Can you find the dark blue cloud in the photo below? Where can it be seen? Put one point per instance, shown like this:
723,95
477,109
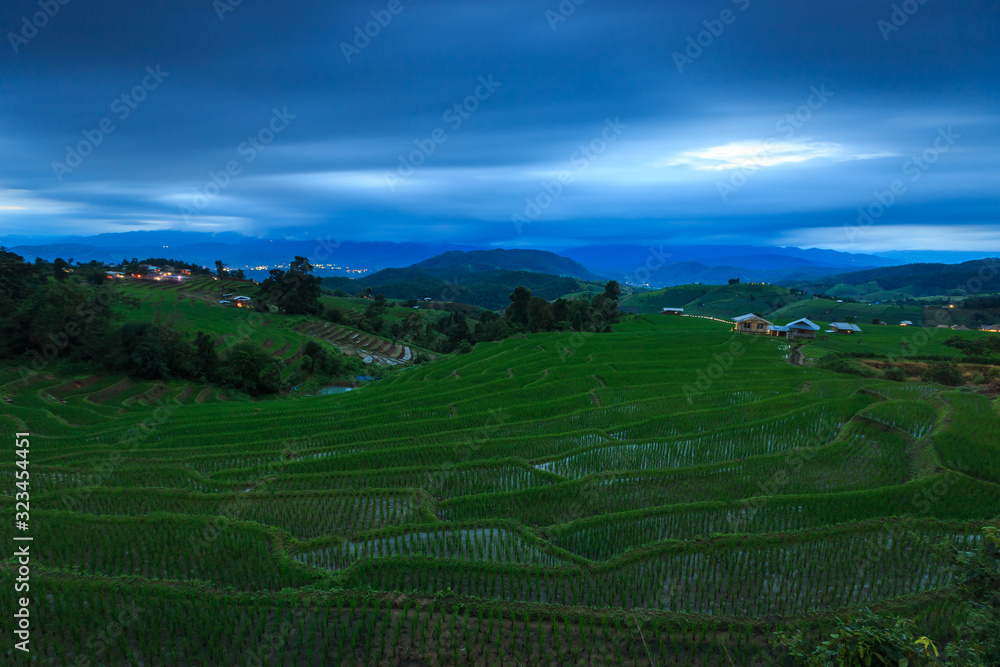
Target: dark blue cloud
723,136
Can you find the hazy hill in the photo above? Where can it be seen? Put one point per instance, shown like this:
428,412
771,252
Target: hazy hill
754,261
487,288
722,301
686,273
538,261
975,277
234,250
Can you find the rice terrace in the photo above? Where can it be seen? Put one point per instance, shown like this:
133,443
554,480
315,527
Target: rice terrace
670,491
533,333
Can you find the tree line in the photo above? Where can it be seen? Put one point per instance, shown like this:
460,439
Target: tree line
55,316
526,313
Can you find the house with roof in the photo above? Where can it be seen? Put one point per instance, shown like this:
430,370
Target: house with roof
672,311
906,323
990,327
844,328
802,328
751,323
776,330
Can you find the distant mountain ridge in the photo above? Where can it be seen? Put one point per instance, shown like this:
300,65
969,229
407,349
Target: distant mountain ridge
656,266
487,288
234,250
537,261
633,263
926,279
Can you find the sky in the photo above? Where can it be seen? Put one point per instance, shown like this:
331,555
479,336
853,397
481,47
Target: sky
857,125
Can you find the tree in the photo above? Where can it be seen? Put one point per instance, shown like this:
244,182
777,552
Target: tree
252,370
206,358
60,269
490,327
734,281
75,319
560,310
93,273
17,278
373,314
295,292
606,312
148,351
412,324
454,327
539,314
220,268
517,311
612,290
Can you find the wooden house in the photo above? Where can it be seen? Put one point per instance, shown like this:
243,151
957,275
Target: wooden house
751,323
844,328
803,328
775,330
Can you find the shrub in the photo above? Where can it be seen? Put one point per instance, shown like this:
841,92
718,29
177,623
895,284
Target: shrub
307,363
252,370
946,374
895,373
867,639
838,365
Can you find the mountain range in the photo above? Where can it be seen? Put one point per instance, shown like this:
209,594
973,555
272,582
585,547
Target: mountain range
656,266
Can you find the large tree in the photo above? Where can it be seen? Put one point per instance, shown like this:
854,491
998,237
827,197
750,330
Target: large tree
295,291
517,311
612,290
539,314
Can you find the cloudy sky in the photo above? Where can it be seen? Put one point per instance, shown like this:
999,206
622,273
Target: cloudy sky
856,125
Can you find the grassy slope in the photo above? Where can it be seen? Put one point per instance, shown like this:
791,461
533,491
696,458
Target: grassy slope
892,340
480,425
722,301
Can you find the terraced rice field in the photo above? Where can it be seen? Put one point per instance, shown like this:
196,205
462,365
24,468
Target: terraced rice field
640,497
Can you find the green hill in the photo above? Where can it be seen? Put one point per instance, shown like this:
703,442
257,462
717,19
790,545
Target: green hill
666,493
485,288
915,280
723,301
535,261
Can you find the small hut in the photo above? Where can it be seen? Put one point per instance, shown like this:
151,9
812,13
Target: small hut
803,328
751,323
845,328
